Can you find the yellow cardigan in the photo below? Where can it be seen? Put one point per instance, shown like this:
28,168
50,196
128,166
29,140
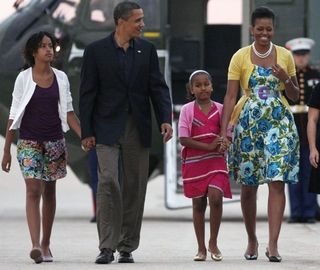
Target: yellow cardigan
241,67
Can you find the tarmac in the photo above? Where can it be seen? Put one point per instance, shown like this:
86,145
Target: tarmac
167,236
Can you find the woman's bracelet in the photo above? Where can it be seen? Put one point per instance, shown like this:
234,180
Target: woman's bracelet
287,81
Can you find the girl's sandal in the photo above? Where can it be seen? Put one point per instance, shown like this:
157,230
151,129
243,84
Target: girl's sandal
48,258
36,255
200,257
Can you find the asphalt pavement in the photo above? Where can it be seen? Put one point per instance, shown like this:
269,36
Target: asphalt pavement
167,237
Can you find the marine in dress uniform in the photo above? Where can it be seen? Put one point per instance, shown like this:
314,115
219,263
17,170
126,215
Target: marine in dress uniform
303,204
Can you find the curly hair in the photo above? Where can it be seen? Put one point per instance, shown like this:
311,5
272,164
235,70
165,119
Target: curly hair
33,44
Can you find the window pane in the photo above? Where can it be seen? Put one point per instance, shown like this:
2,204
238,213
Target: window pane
66,11
151,10
101,12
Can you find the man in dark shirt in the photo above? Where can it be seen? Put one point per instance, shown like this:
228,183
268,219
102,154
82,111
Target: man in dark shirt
303,204
120,76
314,139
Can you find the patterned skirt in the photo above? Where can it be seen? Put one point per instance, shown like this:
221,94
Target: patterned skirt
265,144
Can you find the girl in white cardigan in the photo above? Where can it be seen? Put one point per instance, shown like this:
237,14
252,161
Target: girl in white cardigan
42,110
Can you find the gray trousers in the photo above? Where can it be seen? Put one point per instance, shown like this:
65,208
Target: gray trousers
123,177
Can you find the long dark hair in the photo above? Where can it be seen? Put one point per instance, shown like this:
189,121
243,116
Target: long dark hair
32,46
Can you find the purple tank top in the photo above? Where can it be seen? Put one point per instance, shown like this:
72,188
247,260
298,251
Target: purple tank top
41,121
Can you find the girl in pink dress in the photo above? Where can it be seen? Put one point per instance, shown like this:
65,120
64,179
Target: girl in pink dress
204,169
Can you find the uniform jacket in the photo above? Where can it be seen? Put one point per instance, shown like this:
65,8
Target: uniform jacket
307,78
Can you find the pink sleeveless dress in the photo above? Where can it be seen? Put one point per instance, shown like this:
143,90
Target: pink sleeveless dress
202,169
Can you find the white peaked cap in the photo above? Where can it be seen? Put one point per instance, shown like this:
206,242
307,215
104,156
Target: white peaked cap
298,44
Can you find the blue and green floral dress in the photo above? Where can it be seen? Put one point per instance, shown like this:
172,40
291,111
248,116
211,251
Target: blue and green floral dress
265,144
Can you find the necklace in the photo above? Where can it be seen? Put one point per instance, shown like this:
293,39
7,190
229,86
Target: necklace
262,55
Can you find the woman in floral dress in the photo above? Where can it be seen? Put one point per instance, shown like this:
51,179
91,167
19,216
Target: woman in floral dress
265,147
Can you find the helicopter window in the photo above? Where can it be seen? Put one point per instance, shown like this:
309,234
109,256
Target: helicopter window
97,16
101,12
66,11
152,11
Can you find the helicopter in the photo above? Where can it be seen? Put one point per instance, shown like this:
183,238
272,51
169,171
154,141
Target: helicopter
74,24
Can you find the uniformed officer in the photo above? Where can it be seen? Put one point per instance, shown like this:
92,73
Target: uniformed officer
303,205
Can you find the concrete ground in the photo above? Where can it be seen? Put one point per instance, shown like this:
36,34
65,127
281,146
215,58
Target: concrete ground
167,237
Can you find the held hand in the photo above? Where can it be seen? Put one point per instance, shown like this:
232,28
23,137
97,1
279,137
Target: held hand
314,158
213,145
224,145
166,131
6,162
88,143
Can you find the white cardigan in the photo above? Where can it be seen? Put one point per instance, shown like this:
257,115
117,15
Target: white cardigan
24,88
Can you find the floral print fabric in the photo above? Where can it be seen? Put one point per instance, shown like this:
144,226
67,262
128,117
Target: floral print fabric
265,144
42,160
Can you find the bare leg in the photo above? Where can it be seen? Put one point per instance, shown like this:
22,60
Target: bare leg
215,201
199,206
276,205
249,212
48,214
33,196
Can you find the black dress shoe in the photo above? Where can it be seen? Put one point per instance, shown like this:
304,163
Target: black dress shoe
308,220
125,257
105,256
318,213
294,220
